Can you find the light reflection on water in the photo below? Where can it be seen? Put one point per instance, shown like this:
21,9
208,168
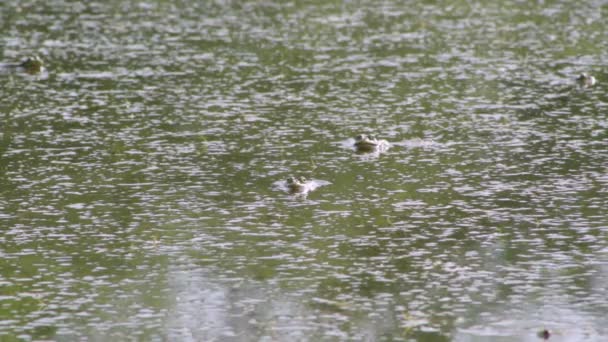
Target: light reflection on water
138,174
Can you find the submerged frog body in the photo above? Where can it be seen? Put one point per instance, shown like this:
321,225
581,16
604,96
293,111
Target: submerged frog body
31,65
369,143
585,80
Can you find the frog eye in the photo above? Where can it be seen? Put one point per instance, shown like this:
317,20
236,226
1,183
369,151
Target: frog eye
359,137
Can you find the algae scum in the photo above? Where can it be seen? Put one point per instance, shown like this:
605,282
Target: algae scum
143,171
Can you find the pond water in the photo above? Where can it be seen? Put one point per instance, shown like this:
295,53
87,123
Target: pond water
141,174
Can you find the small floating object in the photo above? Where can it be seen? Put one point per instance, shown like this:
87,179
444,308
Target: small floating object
544,334
369,143
585,80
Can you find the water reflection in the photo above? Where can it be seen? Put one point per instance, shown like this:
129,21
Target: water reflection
140,174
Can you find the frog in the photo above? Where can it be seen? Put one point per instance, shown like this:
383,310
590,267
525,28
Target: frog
300,185
30,65
585,80
369,143
297,184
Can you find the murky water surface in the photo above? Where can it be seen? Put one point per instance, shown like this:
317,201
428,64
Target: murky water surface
141,174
